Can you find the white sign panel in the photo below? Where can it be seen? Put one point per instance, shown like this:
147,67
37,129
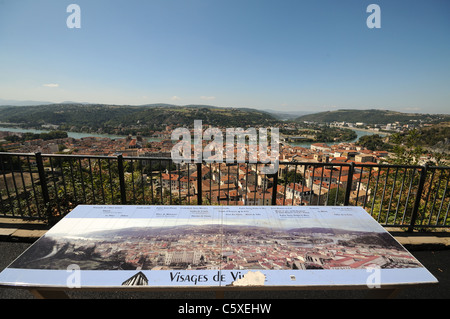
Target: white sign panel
207,246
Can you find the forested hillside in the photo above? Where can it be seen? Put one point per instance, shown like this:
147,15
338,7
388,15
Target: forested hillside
109,118
371,117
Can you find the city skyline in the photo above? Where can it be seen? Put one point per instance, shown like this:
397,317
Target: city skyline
91,227
289,56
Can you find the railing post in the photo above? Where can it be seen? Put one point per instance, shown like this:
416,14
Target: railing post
349,184
43,180
123,196
199,184
423,176
275,189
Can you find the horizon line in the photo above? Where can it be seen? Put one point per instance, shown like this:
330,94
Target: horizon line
267,110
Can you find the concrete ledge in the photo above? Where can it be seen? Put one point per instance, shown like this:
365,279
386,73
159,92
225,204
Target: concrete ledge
424,242
25,233
7,222
16,229
7,231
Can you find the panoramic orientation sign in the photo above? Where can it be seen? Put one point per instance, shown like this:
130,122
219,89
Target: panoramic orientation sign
201,246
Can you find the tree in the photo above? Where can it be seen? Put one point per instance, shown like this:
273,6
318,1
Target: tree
407,149
293,176
373,143
336,197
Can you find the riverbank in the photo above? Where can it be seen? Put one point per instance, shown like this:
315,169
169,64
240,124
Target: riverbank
370,131
359,133
76,135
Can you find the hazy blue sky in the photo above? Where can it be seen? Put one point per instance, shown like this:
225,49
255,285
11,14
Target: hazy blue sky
282,54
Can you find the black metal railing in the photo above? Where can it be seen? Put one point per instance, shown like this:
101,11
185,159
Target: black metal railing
48,186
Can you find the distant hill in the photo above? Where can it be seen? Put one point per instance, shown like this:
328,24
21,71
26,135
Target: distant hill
128,119
370,117
227,229
4,102
22,103
285,115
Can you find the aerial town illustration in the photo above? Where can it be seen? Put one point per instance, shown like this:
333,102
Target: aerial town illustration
238,239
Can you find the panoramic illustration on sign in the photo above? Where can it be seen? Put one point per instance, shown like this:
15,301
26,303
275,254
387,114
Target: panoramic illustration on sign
215,245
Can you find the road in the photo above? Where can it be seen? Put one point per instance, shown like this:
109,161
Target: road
436,261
